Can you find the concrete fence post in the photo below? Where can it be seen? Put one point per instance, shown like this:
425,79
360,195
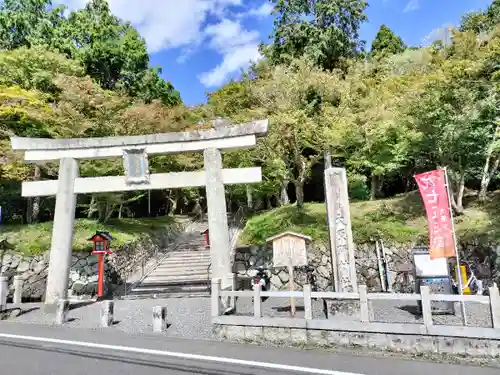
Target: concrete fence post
18,289
159,319
495,307
232,299
4,291
257,303
216,285
107,313
426,306
62,311
363,303
307,302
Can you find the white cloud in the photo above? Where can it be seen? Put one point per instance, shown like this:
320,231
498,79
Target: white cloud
167,24
263,11
412,6
237,46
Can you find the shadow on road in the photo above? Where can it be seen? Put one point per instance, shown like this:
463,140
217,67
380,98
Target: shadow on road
15,311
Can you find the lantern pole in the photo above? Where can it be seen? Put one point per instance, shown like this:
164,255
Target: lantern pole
100,276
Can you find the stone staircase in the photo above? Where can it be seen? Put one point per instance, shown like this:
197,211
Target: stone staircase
183,272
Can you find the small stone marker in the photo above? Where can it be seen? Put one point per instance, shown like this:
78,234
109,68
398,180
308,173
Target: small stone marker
290,250
62,311
18,289
4,290
107,313
159,319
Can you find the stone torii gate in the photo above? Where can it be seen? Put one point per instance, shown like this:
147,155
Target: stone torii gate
135,151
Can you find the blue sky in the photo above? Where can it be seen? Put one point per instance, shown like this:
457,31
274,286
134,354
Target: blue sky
202,43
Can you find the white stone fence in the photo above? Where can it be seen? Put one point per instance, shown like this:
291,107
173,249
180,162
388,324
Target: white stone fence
364,325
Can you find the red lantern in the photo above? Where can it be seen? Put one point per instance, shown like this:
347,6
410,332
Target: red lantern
101,242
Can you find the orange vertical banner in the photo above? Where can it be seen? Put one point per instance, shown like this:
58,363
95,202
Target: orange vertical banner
434,192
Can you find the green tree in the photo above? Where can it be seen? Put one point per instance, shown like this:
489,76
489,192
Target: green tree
327,32
300,101
111,51
387,43
482,21
36,68
28,23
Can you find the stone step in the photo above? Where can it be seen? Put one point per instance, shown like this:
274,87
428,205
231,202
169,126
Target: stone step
165,271
166,277
191,287
182,265
187,258
182,260
191,249
179,279
204,252
198,250
179,260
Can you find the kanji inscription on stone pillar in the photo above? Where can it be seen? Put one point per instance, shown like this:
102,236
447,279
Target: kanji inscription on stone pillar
339,223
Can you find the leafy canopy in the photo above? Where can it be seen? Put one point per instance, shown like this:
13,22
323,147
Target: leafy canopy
325,31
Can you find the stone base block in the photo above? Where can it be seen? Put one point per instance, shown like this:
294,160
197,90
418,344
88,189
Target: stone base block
397,343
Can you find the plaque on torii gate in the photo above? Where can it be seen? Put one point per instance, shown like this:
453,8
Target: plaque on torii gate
135,151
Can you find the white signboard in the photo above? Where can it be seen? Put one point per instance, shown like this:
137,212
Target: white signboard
425,267
289,251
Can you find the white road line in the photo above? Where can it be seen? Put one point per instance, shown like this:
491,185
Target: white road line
196,357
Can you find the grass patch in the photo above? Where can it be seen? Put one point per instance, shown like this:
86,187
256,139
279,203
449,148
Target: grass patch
35,239
400,220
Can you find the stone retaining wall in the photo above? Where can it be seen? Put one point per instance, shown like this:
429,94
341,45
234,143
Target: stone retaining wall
484,258
412,344
83,274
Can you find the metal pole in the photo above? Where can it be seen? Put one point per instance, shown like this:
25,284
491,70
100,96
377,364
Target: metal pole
458,270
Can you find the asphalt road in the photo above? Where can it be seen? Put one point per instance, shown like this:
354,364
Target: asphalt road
30,349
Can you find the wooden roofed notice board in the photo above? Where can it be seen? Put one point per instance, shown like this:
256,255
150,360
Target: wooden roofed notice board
290,250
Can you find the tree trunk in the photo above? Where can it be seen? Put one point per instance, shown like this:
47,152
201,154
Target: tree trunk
258,204
110,210
299,193
170,202
101,211
29,210
34,203
93,207
120,209
487,171
284,198
487,175
460,193
269,203
456,198
374,188
328,159
249,198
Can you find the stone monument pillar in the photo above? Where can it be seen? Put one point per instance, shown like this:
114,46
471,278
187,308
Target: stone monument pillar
62,235
339,225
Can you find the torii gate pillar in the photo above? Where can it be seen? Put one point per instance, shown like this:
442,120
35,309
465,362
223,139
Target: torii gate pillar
217,217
